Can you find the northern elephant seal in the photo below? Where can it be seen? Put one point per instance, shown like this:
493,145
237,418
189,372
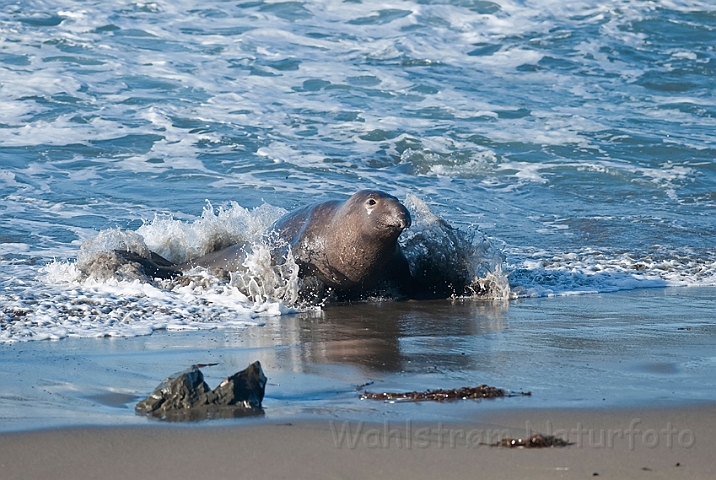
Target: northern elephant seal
351,246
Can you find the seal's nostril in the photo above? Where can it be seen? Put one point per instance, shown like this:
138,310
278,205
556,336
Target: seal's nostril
406,221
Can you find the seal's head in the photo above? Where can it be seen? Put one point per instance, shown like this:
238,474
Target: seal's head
362,240
382,215
367,216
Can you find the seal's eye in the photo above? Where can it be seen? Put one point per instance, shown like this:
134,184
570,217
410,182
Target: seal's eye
371,202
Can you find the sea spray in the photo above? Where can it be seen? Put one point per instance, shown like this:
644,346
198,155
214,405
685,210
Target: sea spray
446,261
179,241
264,280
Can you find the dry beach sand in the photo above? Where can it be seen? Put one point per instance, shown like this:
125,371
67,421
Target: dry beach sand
672,443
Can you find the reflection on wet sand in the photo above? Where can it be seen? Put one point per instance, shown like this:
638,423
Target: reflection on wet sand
397,336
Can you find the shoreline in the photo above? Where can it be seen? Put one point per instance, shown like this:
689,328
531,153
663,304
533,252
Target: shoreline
607,351
645,443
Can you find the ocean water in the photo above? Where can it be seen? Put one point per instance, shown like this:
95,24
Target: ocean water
570,143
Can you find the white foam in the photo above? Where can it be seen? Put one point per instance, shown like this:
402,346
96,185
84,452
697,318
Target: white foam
590,271
68,305
10,248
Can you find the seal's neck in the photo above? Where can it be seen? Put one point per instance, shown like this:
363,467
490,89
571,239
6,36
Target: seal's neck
362,258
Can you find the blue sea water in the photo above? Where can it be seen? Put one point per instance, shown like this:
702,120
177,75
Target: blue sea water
577,136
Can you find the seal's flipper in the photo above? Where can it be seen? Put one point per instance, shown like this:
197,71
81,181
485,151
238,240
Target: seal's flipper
155,267
160,261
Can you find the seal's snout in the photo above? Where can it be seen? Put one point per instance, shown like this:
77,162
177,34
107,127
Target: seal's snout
399,217
403,217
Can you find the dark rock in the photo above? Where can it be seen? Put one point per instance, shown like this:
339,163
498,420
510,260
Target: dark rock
181,390
185,395
245,388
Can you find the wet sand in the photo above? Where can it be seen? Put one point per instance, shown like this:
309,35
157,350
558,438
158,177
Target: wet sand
639,362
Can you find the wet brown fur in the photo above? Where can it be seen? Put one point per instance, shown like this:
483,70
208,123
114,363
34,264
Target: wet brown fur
350,246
